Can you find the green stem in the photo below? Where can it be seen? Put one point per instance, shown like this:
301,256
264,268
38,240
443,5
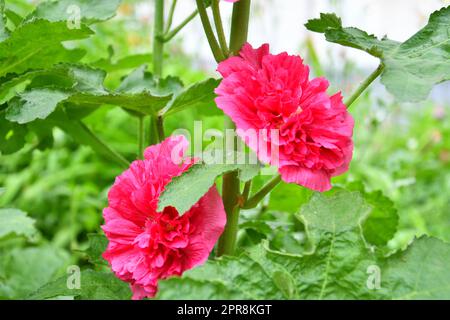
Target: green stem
257,197
363,86
239,25
169,35
158,56
158,44
231,183
246,192
160,127
170,17
141,134
215,48
230,196
153,132
219,26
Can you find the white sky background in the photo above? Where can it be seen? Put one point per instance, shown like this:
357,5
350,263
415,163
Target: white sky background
281,24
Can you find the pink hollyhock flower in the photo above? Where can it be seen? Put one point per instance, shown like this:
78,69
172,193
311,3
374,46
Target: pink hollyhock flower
145,244
262,91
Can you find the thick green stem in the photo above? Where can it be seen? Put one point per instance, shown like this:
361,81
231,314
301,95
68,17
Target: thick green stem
239,25
160,127
363,86
231,183
158,56
153,137
230,195
219,26
158,43
170,34
257,197
141,134
215,48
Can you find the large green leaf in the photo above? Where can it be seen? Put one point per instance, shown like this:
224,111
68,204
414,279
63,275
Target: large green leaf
64,10
224,278
413,67
34,104
128,62
77,86
23,271
140,80
382,222
94,285
419,272
185,190
37,45
16,222
338,265
97,245
60,76
199,95
288,197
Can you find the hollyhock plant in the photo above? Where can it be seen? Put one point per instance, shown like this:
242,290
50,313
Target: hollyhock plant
145,244
262,91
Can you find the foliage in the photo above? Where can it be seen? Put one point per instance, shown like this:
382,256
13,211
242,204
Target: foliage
71,102
413,67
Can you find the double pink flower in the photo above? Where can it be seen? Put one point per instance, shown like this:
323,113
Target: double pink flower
145,244
261,91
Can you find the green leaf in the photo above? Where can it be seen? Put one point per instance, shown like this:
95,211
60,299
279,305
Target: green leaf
420,272
14,17
142,81
78,87
381,224
144,102
335,268
199,95
12,136
37,45
413,67
35,104
341,212
338,265
224,278
23,271
288,197
97,245
66,10
326,21
185,190
94,285
16,222
128,62
56,76
382,221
